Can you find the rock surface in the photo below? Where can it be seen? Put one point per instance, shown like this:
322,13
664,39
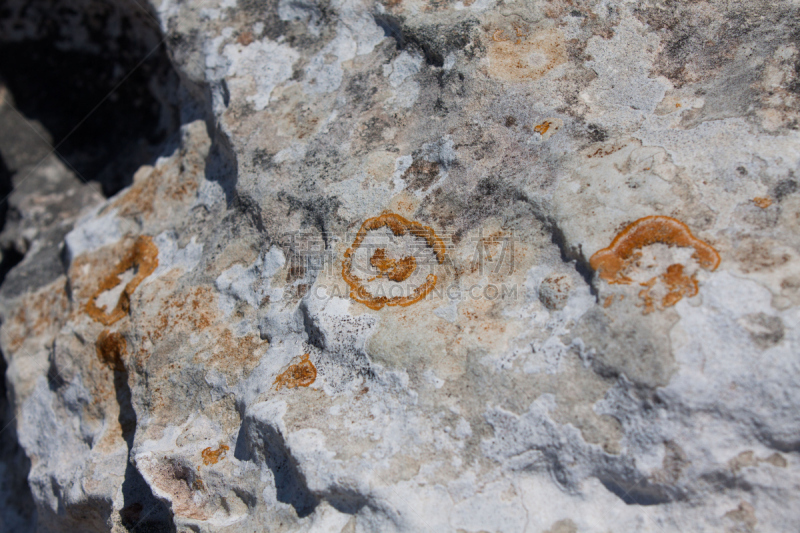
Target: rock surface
394,271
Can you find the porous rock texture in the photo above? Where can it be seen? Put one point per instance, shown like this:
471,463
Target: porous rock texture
526,392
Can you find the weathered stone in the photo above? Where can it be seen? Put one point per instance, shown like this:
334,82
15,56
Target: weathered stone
450,266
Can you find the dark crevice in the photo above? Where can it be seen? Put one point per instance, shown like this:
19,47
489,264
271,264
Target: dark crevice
259,441
265,444
5,190
636,493
221,164
141,510
315,336
9,256
17,508
107,103
346,501
571,253
623,494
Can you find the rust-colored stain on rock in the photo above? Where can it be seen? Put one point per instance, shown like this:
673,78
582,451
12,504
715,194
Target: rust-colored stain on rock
143,256
111,349
301,374
395,270
613,263
211,457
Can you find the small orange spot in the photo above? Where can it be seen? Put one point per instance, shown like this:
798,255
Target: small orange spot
143,256
762,202
396,271
301,374
211,457
542,128
609,300
678,105
613,263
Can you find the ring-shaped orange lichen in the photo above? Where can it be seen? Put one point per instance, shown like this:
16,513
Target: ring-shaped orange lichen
300,374
396,271
613,262
143,256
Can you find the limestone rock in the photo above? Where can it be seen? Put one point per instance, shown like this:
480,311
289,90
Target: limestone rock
416,266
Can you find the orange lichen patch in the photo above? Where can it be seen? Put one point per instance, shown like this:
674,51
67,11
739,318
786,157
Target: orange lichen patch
548,127
528,57
381,262
111,349
676,285
143,257
542,128
391,268
613,263
300,374
399,271
211,457
762,202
